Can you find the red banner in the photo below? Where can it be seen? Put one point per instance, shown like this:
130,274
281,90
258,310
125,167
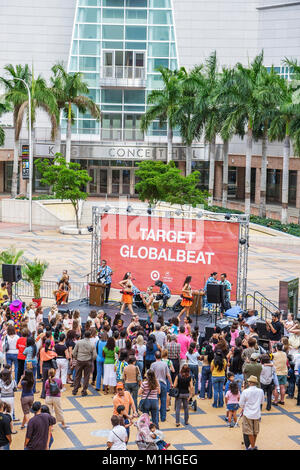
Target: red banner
153,248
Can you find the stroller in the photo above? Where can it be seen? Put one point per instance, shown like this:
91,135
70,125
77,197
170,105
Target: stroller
144,440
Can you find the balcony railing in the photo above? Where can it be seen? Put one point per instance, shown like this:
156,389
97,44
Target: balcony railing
123,72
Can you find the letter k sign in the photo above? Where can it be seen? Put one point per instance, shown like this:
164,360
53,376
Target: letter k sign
51,147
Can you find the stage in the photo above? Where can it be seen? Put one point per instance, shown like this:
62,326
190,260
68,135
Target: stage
112,308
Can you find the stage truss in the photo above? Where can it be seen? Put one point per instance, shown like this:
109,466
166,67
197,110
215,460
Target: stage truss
201,214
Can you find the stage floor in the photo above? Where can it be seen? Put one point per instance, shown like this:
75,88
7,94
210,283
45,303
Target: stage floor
112,308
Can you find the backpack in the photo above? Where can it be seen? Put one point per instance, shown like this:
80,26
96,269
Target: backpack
5,345
54,388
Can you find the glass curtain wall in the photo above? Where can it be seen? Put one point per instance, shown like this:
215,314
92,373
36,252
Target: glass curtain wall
121,39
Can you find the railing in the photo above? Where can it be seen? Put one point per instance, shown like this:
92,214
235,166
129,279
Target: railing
262,304
121,72
78,290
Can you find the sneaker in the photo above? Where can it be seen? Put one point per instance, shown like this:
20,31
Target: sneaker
232,425
83,394
226,419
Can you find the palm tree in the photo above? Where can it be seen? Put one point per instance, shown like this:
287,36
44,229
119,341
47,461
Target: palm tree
69,90
242,98
41,97
164,104
268,94
285,127
16,95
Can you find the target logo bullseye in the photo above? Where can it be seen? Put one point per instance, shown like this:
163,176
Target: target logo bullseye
154,275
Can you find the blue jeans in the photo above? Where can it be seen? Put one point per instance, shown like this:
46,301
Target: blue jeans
100,372
140,365
152,407
34,369
163,401
13,359
206,376
195,372
239,378
6,447
218,383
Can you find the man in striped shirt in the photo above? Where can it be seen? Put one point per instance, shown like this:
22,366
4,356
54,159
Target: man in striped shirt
174,349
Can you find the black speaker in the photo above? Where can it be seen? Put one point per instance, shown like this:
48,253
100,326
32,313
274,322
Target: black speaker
11,272
209,330
262,329
215,293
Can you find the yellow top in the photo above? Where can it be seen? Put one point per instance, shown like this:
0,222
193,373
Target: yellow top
2,293
216,372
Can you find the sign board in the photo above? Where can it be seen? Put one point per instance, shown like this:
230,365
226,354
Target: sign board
25,169
169,249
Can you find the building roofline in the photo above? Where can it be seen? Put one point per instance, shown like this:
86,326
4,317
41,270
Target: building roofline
279,5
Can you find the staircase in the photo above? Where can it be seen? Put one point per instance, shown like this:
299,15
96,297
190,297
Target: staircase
264,306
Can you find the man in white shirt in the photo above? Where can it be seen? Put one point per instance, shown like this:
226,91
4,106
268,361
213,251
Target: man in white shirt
117,438
161,338
251,400
249,321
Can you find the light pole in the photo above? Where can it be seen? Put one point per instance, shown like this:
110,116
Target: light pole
30,151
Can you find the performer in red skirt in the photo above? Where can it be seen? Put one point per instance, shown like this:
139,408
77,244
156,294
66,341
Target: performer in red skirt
187,297
127,297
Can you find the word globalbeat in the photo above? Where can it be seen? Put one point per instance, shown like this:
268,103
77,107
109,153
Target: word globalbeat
176,256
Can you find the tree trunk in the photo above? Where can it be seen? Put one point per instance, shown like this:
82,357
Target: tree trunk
263,178
57,145
69,135
14,183
170,143
188,168
225,173
212,158
248,172
285,180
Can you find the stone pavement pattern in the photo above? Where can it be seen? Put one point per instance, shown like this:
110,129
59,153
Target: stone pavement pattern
89,420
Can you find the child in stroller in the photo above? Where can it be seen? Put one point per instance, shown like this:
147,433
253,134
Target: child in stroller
144,440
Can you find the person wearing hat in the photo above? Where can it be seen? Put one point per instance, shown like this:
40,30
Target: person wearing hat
123,397
38,429
250,401
253,368
16,313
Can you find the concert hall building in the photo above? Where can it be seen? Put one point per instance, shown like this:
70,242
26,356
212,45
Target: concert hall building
118,45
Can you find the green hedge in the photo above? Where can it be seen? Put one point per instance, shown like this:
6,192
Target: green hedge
292,229
38,198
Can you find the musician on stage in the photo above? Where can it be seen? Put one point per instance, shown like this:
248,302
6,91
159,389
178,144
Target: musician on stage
187,297
127,291
211,280
148,299
164,295
226,304
104,276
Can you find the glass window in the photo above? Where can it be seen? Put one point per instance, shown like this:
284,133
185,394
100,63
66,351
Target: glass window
88,15
134,96
139,109
92,79
112,15
113,3
73,64
160,4
89,63
160,17
94,94
173,64
172,34
159,33
112,45
89,31
154,82
135,45
153,64
172,50
111,107
136,16
75,48
89,48
86,126
158,49
112,32
89,3
136,3
156,129
136,33
111,96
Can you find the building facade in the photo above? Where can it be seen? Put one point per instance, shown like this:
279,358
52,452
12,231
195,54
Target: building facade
118,45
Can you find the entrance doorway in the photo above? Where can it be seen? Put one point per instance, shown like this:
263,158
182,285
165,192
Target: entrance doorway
115,181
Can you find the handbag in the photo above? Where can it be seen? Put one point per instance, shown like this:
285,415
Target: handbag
53,364
174,392
5,345
54,388
142,403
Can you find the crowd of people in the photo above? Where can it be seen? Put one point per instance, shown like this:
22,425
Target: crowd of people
149,368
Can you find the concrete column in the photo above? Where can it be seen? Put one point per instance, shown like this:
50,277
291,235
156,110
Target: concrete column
298,190
257,186
240,192
218,182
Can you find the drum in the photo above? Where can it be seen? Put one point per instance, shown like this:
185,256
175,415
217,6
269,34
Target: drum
155,305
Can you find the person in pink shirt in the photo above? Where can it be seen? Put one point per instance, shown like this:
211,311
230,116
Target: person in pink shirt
184,342
232,398
234,333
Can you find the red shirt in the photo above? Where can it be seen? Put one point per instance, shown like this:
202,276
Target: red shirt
21,345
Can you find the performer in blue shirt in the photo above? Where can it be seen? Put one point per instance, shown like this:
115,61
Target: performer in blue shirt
164,294
211,280
104,276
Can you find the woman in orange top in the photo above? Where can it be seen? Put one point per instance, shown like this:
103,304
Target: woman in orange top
127,297
187,297
46,356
